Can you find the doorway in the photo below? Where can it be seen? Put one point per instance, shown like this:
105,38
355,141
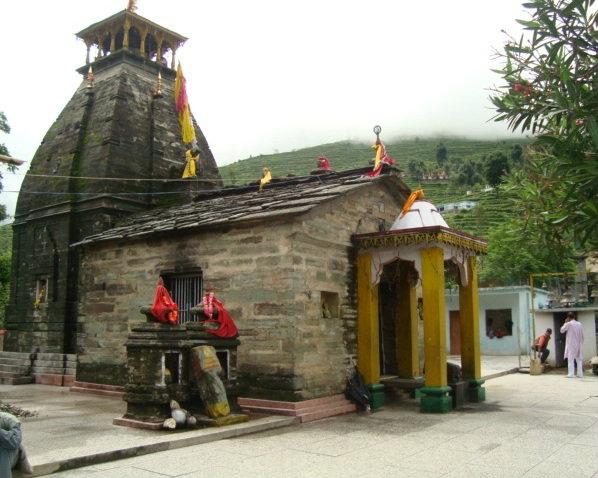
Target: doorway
455,331
387,310
559,339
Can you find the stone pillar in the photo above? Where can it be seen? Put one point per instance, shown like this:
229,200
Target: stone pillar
87,55
159,52
113,41
126,29
142,46
470,333
368,336
406,326
435,394
99,42
173,62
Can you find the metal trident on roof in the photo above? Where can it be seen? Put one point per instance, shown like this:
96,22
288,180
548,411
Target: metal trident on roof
377,130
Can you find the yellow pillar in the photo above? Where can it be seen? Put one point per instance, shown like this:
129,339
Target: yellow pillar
434,316
406,326
470,332
368,339
435,392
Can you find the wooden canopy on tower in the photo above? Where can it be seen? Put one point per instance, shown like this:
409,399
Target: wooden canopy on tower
422,242
129,31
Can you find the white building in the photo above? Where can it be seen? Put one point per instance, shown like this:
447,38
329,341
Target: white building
457,206
505,319
555,318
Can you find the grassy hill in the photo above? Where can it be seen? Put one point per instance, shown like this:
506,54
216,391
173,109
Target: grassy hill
347,155
492,209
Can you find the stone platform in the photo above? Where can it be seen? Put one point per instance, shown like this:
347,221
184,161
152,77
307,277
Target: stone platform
306,410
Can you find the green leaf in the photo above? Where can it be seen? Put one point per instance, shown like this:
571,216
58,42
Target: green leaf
517,49
532,25
593,129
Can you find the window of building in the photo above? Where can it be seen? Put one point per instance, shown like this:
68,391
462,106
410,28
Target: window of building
499,323
186,290
329,304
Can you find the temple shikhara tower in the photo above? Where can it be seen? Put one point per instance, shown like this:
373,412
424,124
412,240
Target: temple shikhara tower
104,158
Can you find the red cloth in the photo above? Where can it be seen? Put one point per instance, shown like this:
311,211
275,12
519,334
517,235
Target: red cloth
164,308
384,159
227,327
324,163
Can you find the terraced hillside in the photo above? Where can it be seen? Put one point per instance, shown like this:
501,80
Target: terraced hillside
491,209
347,155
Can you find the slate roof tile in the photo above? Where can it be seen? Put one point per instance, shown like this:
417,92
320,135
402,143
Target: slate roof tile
295,195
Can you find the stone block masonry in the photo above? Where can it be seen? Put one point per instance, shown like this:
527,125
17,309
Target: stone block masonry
272,275
116,129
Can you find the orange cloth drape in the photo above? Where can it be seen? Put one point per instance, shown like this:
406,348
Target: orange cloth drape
414,196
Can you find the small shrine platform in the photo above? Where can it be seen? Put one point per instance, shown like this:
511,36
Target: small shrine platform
159,370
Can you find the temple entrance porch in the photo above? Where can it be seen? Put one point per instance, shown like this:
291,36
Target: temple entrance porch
391,265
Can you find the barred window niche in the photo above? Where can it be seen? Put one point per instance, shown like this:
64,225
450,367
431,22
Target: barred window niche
329,304
185,289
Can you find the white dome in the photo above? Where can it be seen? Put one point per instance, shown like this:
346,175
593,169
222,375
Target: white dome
421,214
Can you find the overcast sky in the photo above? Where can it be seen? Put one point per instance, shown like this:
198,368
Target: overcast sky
266,75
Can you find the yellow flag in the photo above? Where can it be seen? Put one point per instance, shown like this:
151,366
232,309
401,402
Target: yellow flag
189,171
266,178
182,106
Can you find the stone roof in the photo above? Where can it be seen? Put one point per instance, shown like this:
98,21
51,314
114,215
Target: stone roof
228,206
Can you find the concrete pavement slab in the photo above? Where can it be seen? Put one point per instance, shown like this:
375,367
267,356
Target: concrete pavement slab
508,435
526,421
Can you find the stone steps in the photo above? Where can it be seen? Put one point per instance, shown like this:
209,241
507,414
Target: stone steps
98,389
15,368
42,368
7,378
54,369
5,354
306,410
15,361
18,369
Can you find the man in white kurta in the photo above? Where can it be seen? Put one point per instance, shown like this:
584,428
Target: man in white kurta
573,345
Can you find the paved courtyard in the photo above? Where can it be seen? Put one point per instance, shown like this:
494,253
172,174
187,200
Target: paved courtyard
532,426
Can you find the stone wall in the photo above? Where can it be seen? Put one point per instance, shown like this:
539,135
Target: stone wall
271,277
248,266
326,347
116,129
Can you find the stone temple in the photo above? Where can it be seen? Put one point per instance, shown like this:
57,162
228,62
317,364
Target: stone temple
319,272
116,127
